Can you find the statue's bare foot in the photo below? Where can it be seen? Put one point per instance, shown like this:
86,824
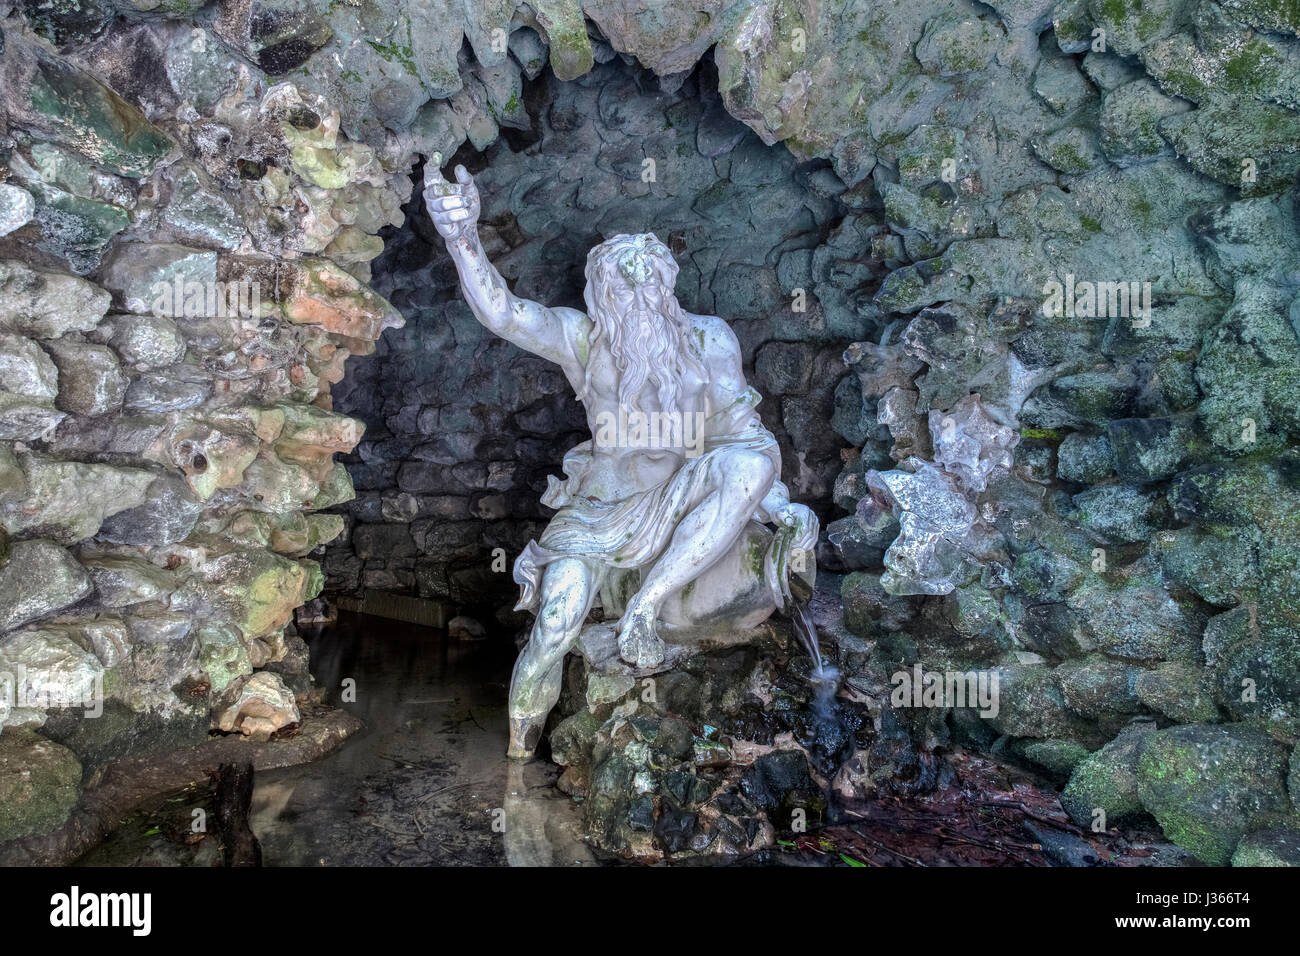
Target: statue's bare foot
638,644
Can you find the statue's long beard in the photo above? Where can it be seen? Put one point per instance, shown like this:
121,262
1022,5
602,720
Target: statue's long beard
645,339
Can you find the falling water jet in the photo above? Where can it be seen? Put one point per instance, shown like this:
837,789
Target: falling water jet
826,680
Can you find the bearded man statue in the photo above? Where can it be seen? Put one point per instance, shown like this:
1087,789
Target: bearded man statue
661,515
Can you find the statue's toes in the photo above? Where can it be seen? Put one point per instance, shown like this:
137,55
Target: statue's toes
628,647
639,645
650,650
651,653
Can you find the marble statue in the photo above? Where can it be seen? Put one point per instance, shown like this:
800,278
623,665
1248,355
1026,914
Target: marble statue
661,515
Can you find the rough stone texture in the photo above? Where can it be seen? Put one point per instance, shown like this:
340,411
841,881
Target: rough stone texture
259,706
160,466
1107,781
39,579
1271,846
68,501
39,784
660,780
1204,784
47,670
959,157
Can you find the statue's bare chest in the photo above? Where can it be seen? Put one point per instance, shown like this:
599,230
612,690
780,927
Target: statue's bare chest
605,382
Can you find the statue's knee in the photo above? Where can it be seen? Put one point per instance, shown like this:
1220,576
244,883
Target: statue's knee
751,472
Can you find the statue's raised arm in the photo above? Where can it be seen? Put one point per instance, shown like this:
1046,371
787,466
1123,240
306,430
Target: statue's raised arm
553,334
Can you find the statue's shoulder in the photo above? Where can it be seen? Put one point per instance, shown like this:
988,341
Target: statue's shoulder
577,331
712,336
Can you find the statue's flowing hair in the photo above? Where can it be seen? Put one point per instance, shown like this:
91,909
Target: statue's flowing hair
630,299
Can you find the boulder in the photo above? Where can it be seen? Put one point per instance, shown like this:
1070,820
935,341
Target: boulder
1269,846
257,706
1108,781
69,501
146,341
47,304
91,380
1205,783
40,783
16,208
49,671
26,370
168,513
124,581
48,94
40,579
143,275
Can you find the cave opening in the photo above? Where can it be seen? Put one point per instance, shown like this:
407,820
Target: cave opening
463,430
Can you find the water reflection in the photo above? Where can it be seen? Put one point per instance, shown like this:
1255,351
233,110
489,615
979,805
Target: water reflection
426,783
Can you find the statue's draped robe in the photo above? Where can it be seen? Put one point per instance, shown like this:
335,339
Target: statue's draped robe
625,535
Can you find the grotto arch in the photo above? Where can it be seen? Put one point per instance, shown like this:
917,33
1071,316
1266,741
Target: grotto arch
463,429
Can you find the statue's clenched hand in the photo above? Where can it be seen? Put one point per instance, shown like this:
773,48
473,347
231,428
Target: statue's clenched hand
453,207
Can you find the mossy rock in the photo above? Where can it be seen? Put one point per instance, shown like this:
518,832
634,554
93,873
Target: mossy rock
1270,846
1254,672
861,595
1129,122
1117,514
78,111
1132,24
1149,449
1107,780
121,730
1224,129
1249,373
1096,397
1272,16
1279,589
572,737
40,783
1135,618
1180,691
1030,704
1256,492
1057,757
223,655
1216,563
1100,689
1205,784
1084,458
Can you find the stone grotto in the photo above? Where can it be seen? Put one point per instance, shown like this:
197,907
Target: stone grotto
1019,285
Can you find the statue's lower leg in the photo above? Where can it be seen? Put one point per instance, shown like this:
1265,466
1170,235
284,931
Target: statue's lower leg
701,538
534,689
567,592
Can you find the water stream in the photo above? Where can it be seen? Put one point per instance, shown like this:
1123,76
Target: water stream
825,678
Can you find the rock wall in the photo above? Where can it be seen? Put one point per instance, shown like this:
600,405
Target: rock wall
182,276
1135,567
1131,575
